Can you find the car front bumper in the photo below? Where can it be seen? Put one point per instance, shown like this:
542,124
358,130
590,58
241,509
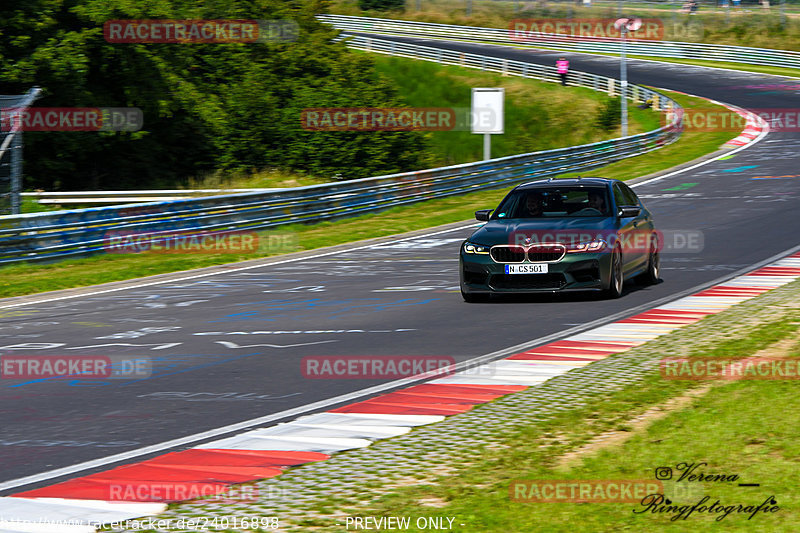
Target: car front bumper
577,271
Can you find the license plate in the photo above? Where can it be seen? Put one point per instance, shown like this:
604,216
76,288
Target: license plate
532,268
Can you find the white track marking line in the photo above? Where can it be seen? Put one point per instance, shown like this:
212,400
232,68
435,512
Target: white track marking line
222,273
764,132
660,303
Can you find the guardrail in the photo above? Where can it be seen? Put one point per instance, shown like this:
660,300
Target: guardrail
118,197
671,49
65,234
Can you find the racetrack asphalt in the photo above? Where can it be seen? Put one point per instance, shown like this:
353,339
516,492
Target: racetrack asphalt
228,347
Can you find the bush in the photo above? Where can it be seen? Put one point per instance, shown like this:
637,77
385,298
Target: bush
608,117
381,5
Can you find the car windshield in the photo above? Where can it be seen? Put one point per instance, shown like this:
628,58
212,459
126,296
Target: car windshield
554,202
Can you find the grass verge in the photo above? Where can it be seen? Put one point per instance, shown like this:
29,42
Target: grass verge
759,69
755,27
538,115
742,428
30,278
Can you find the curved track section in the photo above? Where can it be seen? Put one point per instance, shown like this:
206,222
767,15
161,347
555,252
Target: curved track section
228,348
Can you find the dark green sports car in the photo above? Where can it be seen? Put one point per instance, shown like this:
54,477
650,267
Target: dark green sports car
559,235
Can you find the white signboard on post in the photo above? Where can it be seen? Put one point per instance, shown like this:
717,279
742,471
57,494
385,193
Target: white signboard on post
487,114
487,110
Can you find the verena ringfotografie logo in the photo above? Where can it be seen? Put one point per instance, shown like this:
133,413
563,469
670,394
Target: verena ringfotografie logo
75,366
181,242
583,491
72,119
728,369
200,31
372,367
532,29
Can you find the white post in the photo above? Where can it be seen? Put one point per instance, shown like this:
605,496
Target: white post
487,146
16,168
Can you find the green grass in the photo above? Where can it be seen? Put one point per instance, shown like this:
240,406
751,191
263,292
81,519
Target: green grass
538,115
264,179
776,71
21,279
29,205
692,144
747,428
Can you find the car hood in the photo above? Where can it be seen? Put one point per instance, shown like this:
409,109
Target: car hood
505,231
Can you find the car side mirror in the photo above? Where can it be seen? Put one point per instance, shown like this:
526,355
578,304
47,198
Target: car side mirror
627,211
483,214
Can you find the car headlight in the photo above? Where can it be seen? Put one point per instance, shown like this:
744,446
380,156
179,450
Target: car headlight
591,246
472,248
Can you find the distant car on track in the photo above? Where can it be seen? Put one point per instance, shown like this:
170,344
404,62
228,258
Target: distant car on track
589,234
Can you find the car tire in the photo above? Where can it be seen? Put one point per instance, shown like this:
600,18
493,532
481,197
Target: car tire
650,276
615,277
475,297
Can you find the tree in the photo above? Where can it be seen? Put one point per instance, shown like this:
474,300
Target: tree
210,106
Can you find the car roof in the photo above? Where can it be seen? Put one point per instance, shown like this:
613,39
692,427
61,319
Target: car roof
589,181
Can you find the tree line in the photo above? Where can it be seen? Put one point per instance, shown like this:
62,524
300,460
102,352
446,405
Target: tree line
233,106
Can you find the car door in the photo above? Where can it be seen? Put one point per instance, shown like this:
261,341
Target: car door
634,253
643,226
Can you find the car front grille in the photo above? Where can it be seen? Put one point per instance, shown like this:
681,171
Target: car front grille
507,254
537,253
543,253
527,281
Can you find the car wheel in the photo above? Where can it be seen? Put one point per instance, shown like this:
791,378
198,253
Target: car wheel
475,297
615,280
650,276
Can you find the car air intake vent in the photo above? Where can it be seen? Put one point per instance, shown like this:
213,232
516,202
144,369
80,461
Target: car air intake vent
507,254
527,281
